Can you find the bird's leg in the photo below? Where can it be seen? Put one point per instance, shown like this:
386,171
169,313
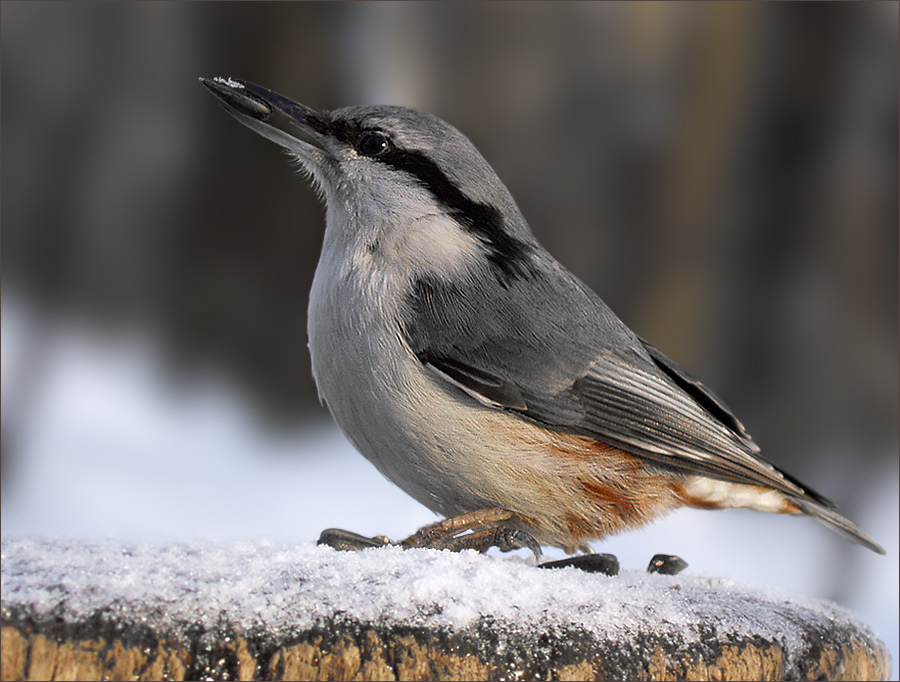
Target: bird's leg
478,530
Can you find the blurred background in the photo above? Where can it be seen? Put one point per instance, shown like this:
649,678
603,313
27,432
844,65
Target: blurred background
725,176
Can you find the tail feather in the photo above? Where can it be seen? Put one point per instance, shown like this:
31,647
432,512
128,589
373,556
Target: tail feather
838,523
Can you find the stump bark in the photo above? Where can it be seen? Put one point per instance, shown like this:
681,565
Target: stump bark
351,651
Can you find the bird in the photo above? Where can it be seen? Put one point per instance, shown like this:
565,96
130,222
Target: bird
477,373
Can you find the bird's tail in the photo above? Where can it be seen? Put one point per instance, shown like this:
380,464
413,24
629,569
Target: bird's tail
837,523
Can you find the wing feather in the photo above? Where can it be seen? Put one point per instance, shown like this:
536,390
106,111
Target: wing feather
581,370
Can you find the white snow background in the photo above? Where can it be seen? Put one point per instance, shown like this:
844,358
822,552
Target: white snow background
108,449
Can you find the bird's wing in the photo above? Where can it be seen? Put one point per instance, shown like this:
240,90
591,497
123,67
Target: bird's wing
583,372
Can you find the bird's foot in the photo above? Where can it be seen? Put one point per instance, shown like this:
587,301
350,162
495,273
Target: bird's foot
479,530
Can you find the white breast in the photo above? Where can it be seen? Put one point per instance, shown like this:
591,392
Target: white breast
379,393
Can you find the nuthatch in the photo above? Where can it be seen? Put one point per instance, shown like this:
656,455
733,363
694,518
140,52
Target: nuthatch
478,374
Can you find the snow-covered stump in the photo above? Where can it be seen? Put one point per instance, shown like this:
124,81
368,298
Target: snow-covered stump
91,610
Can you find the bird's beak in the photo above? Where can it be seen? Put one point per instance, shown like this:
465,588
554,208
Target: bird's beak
254,106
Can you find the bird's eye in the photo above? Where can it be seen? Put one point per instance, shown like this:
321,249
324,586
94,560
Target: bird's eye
373,144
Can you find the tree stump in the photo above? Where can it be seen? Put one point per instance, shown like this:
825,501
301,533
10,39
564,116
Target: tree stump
76,610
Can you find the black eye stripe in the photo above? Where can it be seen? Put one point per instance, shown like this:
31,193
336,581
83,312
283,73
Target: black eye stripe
484,220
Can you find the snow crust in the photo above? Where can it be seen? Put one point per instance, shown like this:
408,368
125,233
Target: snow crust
283,589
